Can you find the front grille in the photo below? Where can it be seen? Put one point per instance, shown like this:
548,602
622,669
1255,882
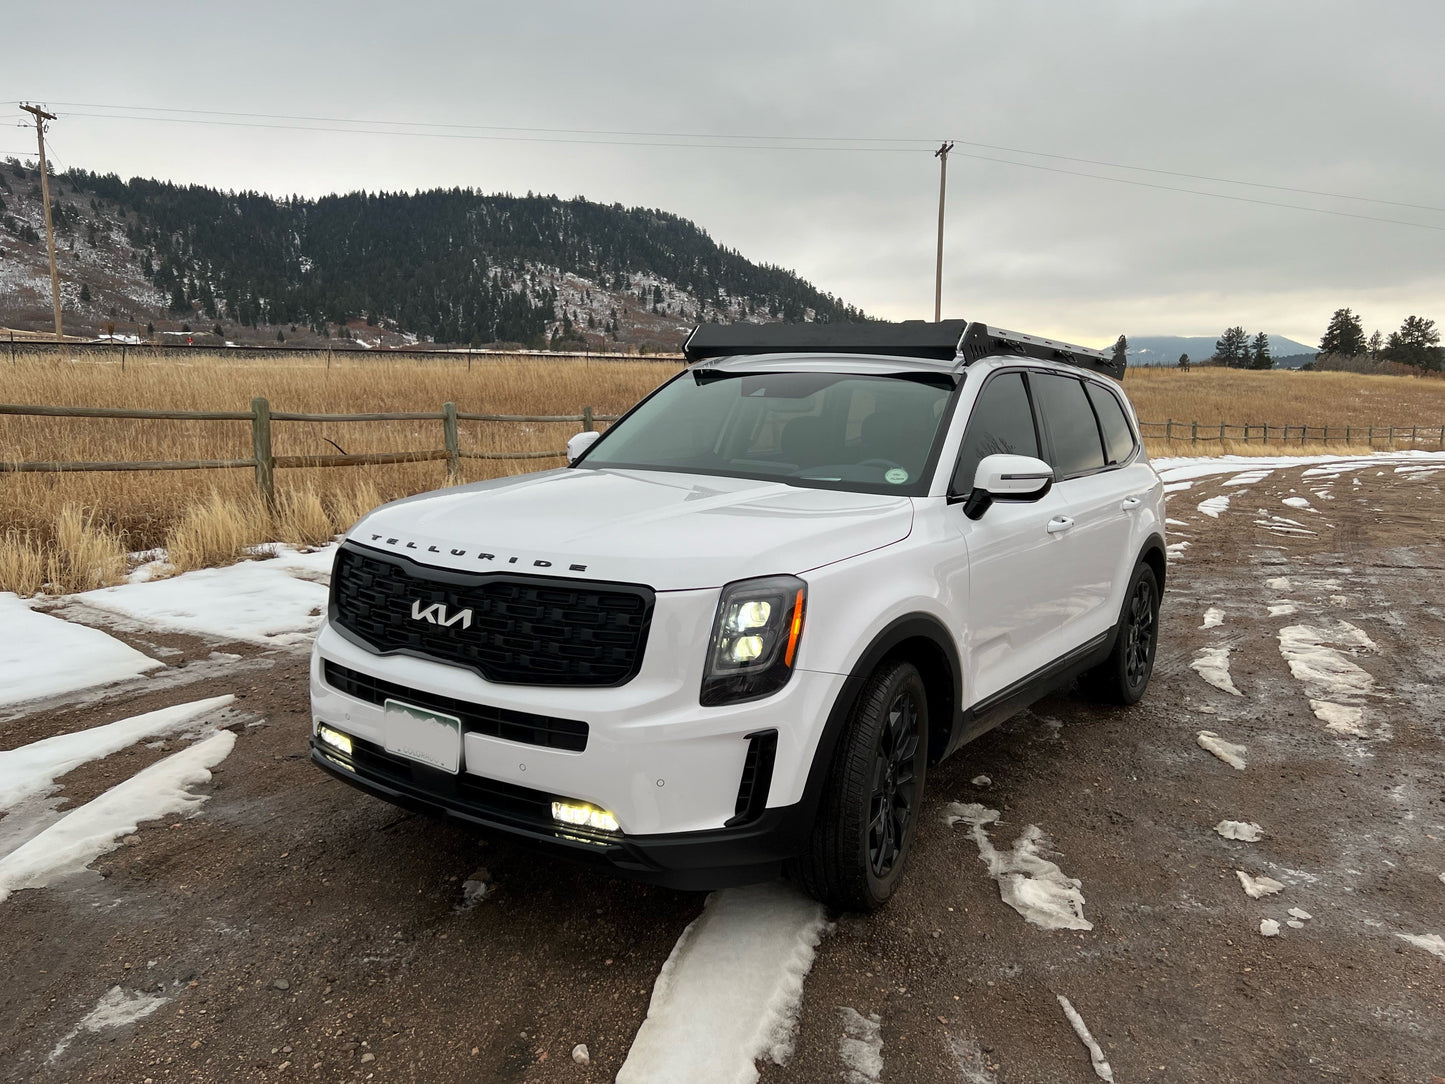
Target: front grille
521,630
518,726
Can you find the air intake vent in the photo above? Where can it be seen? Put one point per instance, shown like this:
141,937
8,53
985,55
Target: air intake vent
757,777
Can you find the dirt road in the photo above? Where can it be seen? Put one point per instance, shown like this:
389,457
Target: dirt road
293,928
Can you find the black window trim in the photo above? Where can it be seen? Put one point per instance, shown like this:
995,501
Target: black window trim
1023,371
1103,447
1107,389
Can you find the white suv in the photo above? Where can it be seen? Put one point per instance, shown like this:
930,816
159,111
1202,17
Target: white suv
733,634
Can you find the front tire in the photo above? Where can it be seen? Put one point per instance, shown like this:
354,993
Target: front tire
1124,675
866,821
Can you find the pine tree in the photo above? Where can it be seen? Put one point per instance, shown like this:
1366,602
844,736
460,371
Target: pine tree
1345,336
1184,362
1417,343
1259,355
1232,348
1377,343
85,292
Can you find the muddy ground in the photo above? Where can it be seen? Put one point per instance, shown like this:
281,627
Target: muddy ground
302,930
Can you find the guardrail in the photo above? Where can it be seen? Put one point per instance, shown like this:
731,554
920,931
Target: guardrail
1196,433
265,461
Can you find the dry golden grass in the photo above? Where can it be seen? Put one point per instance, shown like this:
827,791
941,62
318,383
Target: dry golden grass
71,531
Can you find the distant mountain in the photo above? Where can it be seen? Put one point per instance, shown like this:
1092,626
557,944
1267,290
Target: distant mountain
1165,349
446,266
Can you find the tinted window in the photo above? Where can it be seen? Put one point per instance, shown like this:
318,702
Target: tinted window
829,430
1001,422
1070,421
1118,437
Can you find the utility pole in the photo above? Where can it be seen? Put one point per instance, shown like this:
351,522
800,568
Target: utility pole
41,116
942,155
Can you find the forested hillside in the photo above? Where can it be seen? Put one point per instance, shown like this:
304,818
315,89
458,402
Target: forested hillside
452,266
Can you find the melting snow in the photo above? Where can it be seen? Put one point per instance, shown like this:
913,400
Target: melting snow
1246,831
969,1060
1029,883
1214,506
730,991
1248,478
1096,1056
1299,912
40,655
31,770
84,834
1432,943
1298,502
115,1009
860,1047
1231,754
1213,618
1282,608
1269,928
1212,664
1316,657
1255,887
263,602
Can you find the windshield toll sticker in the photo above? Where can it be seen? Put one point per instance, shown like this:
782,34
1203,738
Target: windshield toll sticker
897,476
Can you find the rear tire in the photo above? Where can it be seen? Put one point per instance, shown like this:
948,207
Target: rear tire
1123,677
868,815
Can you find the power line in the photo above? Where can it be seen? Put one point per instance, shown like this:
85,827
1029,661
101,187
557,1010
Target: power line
765,140
819,143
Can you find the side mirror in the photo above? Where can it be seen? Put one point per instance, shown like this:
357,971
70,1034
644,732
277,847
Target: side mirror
579,443
1007,478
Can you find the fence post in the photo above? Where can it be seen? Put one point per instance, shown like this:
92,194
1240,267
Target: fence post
449,435
1194,432
261,449
122,357
1392,438
587,425
1347,436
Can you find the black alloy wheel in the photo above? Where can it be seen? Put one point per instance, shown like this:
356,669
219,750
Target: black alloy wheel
894,784
1139,634
867,816
1124,675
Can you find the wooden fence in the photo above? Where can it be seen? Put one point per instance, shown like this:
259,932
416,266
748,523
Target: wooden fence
265,462
1413,436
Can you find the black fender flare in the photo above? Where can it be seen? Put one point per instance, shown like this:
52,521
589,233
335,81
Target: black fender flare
913,626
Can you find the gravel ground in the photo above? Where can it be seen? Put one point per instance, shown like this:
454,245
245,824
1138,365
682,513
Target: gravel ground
297,929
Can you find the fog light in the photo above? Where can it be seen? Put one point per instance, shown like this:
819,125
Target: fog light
584,816
334,738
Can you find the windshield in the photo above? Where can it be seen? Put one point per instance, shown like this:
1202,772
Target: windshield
875,434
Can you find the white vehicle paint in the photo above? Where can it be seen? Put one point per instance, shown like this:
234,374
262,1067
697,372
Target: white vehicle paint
994,593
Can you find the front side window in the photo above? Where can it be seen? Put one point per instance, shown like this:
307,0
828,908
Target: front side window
1002,422
876,434
1064,409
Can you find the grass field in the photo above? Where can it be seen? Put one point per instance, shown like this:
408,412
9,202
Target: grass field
72,531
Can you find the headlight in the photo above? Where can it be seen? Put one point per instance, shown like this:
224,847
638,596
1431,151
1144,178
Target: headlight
754,639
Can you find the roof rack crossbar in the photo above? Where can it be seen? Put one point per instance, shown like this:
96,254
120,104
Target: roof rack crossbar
964,341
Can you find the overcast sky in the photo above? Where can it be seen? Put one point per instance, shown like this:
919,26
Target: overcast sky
1336,97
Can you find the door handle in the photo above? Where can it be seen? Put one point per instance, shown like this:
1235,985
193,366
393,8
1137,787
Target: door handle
1130,503
1059,524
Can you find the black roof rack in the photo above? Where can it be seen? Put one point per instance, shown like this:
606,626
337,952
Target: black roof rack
947,340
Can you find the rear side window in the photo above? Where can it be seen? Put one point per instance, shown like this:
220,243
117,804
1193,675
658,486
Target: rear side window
1001,422
1118,437
1070,421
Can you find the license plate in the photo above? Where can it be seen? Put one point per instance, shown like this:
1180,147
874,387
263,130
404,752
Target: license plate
423,736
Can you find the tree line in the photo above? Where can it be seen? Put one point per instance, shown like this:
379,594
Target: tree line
1416,344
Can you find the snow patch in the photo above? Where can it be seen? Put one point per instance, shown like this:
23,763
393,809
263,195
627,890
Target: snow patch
83,835
981,781
1212,664
1176,549
1269,928
42,656
116,1008
1301,913
261,602
1279,583
1283,608
730,991
860,1047
1302,503
969,1060
1214,506
1432,943
1029,883
1333,683
1231,754
1248,478
31,770
1213,618
1255,887
1246,831
1096,1056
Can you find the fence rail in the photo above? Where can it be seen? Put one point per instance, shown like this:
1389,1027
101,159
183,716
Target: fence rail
265,462
1197,433
263,459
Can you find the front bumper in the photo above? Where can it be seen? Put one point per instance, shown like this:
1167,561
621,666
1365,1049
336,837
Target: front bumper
668,769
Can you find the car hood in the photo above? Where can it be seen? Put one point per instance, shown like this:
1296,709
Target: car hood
670,531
